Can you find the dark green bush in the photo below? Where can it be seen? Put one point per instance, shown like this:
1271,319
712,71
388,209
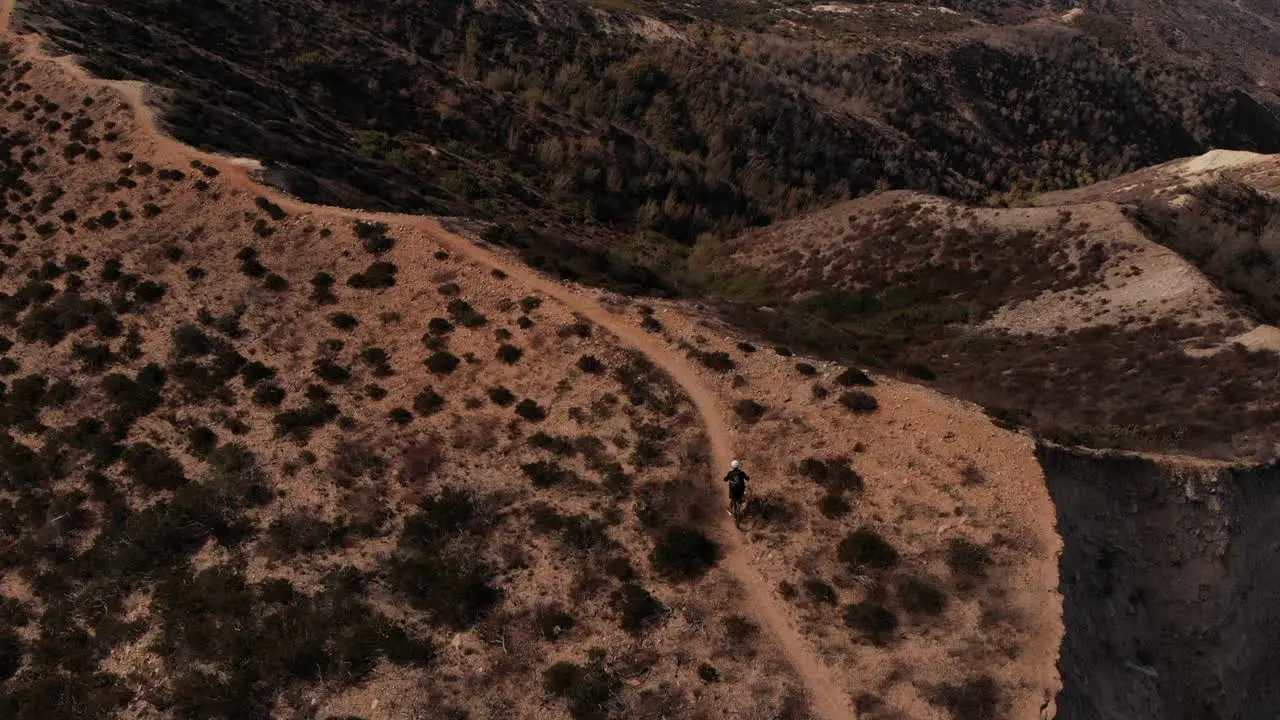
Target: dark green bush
749,411
501,396
920,597
201,441
852,377
530,410
268,394
833,507
553,623
864,548
153,468
442,362
331,372
859,402
275,283
378,275
454,589
976,699
465,315
806,370
509,354
708,674
545,474
255,372
428,402
400,416
439,326
638,610
871,619
588,689
820,591
685,554
589,364
966,558
343,321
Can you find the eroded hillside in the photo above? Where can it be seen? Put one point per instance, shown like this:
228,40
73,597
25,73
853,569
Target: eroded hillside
1070,318
263,459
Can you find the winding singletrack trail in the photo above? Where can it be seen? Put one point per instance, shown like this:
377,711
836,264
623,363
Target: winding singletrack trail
826,698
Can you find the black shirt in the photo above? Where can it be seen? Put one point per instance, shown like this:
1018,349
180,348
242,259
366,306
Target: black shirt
737,482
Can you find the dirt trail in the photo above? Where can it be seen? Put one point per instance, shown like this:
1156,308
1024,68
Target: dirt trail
825,696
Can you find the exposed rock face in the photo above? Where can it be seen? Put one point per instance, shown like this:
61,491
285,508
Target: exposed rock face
1168,587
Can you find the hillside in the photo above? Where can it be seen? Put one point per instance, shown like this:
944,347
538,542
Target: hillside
645,124
269,459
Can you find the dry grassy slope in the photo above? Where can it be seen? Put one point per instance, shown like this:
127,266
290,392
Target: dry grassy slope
933,471
375,473
1050,269
365,468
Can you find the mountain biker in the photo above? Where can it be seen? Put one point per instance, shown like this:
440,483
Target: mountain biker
737,480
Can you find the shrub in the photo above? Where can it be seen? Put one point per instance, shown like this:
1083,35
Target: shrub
806,369
553,623
783,351
201,441
853,377
921,372
718,361
153,468
865,548
375,392
819,591
871,619
685,554
190,341
149,292
195,274
373,236
833,507
255,372
400,416
343,321
274,211
331,372
299,423
268,394
586,688
449,289
920,597
276,283
746,347
465,315
10,654
545,474
977,699
749,411
439,326
523,322
428,402
650,324
509,354
859,402
638,609
589,364
501,396
454,588
378,275
442,362
530,303
966,558
708,674
531,410
619,567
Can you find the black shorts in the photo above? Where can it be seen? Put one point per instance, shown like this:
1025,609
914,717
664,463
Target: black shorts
737,495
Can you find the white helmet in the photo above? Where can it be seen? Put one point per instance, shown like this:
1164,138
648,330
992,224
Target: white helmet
736,464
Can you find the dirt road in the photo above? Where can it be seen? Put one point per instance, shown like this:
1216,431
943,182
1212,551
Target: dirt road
827,699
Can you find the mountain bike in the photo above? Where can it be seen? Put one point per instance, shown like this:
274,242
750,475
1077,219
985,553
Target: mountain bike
738,508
